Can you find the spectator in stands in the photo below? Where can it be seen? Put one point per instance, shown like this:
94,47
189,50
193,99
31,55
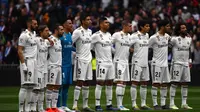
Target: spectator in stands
1,54
9,54
196,55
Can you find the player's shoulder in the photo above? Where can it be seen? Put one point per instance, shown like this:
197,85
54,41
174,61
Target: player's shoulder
108,33
154,36
167,36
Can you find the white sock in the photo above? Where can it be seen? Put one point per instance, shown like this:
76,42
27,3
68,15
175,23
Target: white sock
119,94
184,92
22,96
48,98
54,98
41,101
143,94
98,94
172,93
85,94
123,91
163,95
34,100
108,95
133,94
76,95
28,101
154,91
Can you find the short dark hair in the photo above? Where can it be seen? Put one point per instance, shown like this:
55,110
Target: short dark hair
41,28
125,23
178,28
162,23
142,23
102,19
83,16
29,20
56,27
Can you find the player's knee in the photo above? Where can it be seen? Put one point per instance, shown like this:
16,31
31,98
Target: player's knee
135,83
100,83
109,82
156,84
79,83
143,83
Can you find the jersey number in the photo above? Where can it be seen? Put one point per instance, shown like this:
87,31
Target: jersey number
119,72
176,73
79,71
157,74
102,71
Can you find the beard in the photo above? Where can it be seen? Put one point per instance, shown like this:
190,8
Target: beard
32,28
183,33
60,35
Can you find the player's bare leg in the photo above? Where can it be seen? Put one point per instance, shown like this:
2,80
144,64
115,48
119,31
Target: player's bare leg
120,90
133,93
109,85
98,89
184,93
143,95
154,92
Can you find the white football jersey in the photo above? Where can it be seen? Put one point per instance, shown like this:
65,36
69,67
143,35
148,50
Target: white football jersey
82,38
42,52
103,46
159,44
141,46
27,39
122,43
180,50
55,52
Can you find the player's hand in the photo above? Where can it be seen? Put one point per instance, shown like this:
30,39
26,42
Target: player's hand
24,68
51,42
190,65
131,50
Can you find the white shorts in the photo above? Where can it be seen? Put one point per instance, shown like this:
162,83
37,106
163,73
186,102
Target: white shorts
180,73
29,77
82,70
40,79
121,72
160,74
139,73
105,71
54,76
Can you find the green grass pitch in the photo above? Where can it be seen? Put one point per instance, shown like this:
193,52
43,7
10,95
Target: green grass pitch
9,99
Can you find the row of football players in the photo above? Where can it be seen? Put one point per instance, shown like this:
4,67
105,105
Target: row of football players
102,43
33,57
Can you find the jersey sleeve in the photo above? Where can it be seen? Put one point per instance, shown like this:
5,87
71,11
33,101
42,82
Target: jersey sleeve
151,41
75,36
133,39
115,37
22,40
172,41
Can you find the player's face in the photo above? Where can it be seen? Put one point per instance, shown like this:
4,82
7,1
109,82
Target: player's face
34,25
183,30
128,28
146,28
45,33
60,31
87,22
105,25
69,26
167,28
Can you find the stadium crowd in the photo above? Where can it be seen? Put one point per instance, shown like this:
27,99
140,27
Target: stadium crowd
14,13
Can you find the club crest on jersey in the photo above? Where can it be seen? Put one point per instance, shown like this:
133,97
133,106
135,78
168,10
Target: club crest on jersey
139,36
101,36
179,40
82,32
188,42
158,38
54,40
122,35
29,34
